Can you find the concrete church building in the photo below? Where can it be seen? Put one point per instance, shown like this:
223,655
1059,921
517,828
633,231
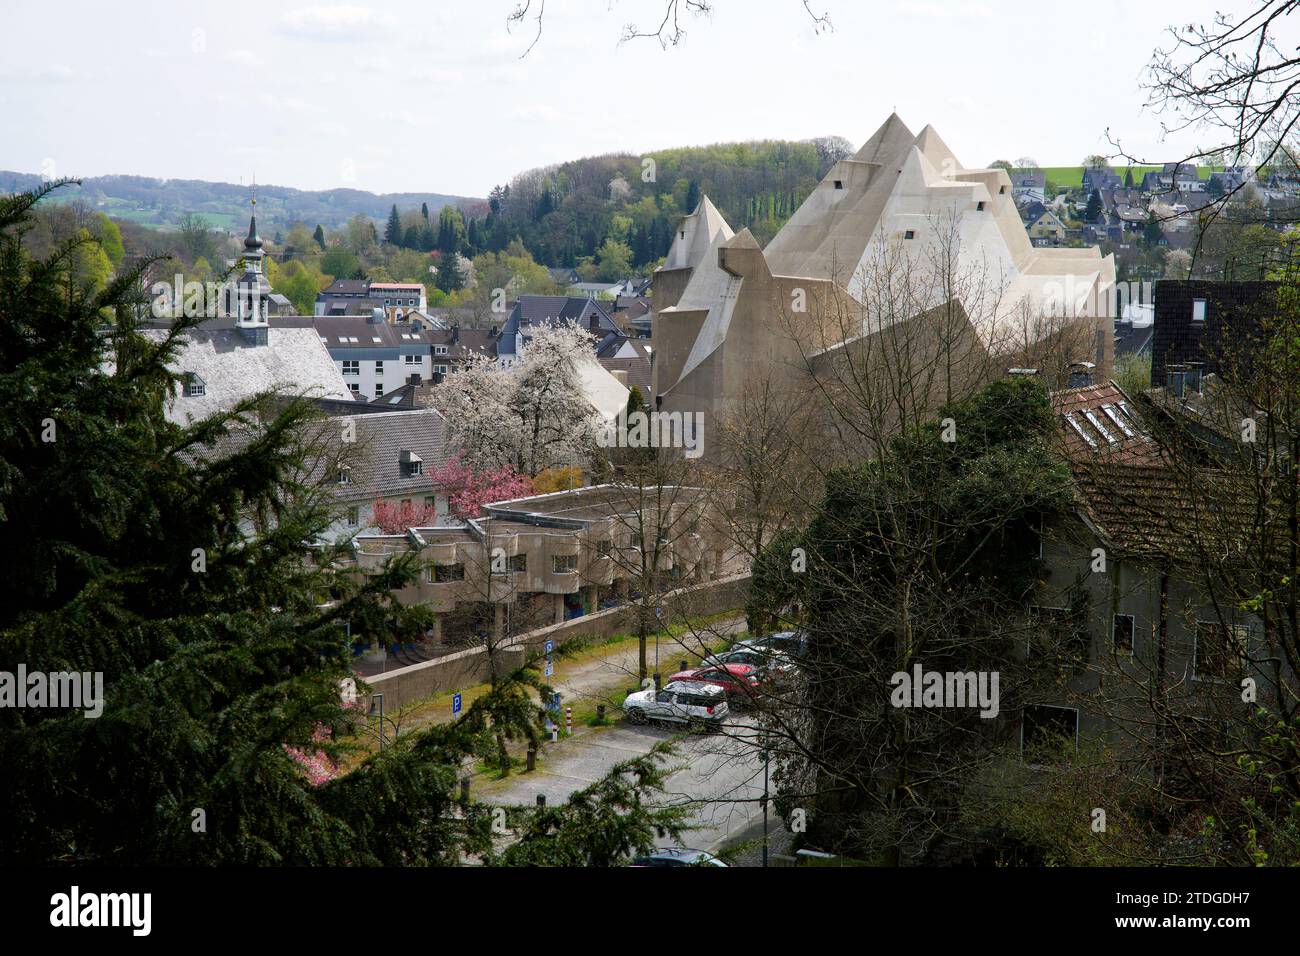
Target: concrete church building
892,234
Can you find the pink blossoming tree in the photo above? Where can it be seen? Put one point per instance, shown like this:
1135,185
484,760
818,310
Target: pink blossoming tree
468,490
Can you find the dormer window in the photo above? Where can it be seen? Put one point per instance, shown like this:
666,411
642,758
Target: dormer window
344,474
195,387
412,464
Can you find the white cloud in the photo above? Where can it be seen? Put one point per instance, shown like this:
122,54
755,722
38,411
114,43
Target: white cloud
340,22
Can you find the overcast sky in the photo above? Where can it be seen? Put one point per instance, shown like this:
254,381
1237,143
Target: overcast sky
431,95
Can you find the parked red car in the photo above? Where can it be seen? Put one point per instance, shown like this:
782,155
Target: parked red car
740,681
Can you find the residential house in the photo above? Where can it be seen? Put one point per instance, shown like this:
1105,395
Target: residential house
1029,184
372,355
1119,587
1101,178
398,300
531,312
1046,230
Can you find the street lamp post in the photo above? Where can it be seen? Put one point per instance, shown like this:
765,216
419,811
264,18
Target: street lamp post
766,756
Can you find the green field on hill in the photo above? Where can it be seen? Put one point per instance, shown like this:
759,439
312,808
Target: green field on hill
1071,177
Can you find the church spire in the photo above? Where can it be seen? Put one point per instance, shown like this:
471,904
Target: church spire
253,302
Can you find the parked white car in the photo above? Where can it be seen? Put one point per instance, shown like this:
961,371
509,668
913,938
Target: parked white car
681,702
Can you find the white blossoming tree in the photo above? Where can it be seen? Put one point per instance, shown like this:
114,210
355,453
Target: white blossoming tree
531,416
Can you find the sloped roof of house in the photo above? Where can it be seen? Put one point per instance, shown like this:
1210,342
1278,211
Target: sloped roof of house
1128,489
629,356
531,311
375,460
294,360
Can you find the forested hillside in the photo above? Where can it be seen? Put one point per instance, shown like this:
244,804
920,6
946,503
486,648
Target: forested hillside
163,203
568,212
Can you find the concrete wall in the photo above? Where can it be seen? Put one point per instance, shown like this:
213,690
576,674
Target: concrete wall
466,668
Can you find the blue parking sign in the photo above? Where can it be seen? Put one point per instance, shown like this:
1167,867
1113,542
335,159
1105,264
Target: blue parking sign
550,648
455,704
550,669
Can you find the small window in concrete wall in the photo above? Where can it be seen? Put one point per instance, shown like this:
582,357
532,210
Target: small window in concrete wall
979,206
1002,190
839,184
909,234
1198,310
1122,633
564,563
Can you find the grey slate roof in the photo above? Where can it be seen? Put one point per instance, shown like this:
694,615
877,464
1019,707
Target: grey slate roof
462,343
337,331
531,311
231,370
376,458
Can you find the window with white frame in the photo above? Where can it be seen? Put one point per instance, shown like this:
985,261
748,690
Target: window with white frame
564,563
351,367
354,517
440,350
411,359
379,368
195,387
440,369
379,389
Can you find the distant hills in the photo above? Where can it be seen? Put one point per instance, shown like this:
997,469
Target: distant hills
160,203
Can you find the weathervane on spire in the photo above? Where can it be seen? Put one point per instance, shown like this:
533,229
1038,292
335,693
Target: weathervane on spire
254,199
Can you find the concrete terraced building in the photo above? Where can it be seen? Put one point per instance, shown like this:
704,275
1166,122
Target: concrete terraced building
878,242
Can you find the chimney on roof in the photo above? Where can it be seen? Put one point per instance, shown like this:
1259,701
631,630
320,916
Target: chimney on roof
492,331
1176,380
376,316
413,379
1080,375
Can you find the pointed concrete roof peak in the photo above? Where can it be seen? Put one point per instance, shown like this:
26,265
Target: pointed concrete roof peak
886,140
742,240
696,233
709,216
935,149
